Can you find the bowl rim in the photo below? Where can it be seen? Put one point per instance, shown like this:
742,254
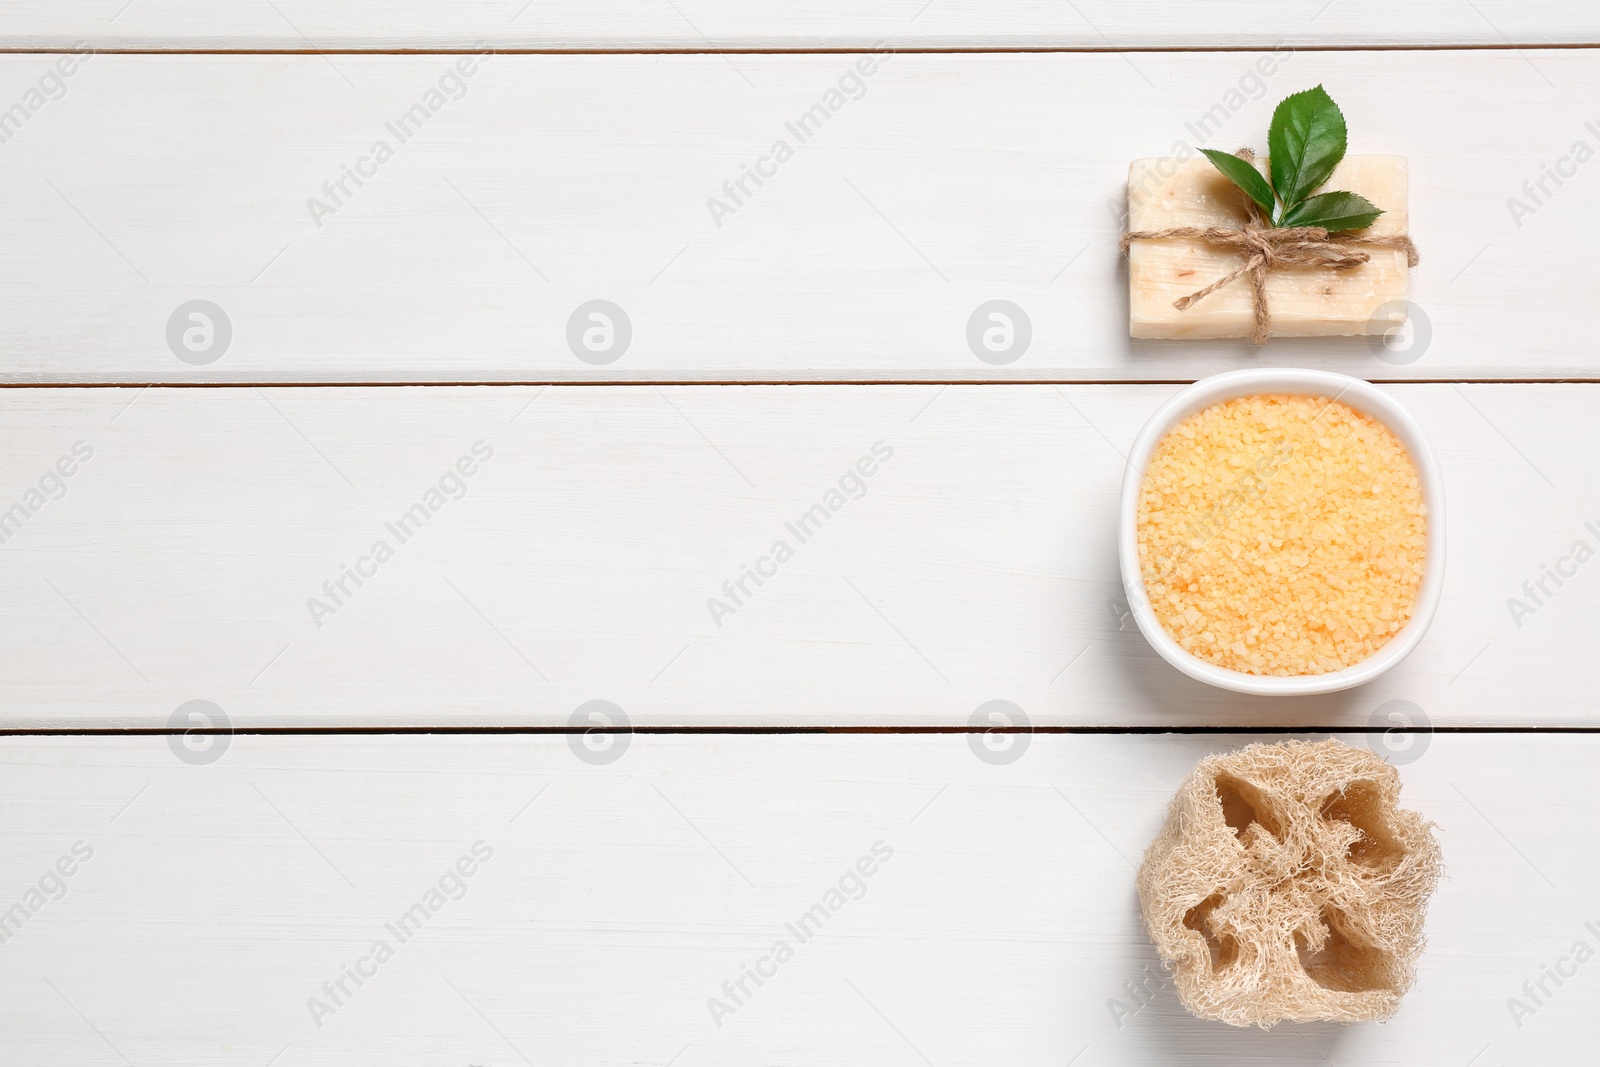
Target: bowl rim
1361,396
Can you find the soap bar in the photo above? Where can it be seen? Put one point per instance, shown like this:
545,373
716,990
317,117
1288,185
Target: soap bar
1303,301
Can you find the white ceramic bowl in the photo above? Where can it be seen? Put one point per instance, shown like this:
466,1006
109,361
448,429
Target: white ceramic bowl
1357,394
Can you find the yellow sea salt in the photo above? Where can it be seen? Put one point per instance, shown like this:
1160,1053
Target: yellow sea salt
1281,535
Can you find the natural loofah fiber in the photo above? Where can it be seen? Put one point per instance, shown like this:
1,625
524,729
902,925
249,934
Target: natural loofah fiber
1287,884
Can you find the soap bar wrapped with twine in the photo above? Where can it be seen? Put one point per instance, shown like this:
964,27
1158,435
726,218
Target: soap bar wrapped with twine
1267,248
1289,885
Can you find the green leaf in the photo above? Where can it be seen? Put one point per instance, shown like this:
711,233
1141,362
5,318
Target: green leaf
1244,175
1307,140
1333,212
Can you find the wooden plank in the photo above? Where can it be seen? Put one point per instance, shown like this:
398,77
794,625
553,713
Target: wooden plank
619,898
202,553
702,24
476,251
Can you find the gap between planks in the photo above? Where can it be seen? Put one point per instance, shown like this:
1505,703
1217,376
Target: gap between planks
388,731
658,382
748,51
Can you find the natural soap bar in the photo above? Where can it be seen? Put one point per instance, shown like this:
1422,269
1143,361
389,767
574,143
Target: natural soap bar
1303,301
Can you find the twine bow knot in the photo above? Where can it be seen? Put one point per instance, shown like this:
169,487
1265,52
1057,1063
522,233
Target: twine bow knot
1266,248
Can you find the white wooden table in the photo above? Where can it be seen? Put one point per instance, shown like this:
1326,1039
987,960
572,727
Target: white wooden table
191,508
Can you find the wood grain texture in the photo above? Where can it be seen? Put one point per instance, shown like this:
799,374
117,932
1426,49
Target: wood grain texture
192,557
704,24
183,558
619,898
558,180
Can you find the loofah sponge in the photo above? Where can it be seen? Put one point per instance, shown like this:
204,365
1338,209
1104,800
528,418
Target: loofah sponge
1288,884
